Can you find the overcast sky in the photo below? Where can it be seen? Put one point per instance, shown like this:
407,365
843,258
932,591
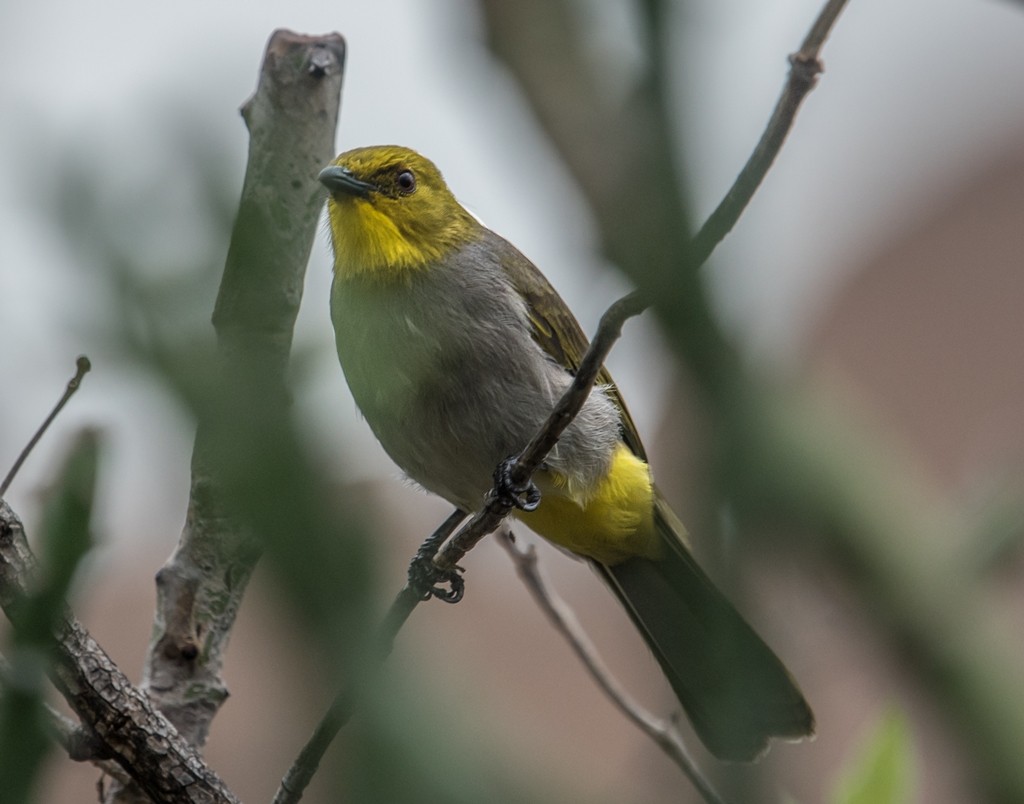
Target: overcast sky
915,94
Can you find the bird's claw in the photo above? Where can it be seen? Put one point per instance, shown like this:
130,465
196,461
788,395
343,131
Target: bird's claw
428,580
524,496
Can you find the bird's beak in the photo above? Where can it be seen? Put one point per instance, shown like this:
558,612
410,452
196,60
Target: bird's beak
340,180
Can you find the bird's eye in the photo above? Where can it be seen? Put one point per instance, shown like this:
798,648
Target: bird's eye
406,182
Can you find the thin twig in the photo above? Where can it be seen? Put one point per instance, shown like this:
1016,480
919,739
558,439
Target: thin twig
82,366
529,460
305,766
563,618
805,67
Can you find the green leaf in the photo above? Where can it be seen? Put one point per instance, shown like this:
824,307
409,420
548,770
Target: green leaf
883,770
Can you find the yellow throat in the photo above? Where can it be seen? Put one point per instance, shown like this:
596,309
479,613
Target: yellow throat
395,215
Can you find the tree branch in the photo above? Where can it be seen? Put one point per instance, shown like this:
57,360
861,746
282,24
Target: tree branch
82,366
291,120
804,68
82,745
529,460
496,508
135,735
624,158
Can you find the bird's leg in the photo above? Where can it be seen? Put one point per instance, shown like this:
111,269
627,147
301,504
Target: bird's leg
426,578
515,494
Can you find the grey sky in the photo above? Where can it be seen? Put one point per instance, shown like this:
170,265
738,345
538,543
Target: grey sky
914,94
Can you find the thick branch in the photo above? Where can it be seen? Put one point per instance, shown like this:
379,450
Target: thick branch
291,120
133,733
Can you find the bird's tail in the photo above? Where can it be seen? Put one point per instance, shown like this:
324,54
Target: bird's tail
735,690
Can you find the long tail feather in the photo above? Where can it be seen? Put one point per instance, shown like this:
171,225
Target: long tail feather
735,690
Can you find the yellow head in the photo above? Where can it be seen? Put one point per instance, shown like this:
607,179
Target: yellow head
390,212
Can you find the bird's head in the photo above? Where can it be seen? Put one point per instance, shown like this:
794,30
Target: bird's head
390,212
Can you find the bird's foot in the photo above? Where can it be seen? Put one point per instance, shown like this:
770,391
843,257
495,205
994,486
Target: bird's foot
524,496
428,580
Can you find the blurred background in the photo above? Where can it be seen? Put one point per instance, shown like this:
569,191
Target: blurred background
882,258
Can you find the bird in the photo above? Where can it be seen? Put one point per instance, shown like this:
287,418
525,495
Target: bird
455,348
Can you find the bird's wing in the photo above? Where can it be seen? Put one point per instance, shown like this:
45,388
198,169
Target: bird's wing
556,330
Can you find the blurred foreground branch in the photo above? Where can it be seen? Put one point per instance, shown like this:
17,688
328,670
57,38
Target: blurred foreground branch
778,455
